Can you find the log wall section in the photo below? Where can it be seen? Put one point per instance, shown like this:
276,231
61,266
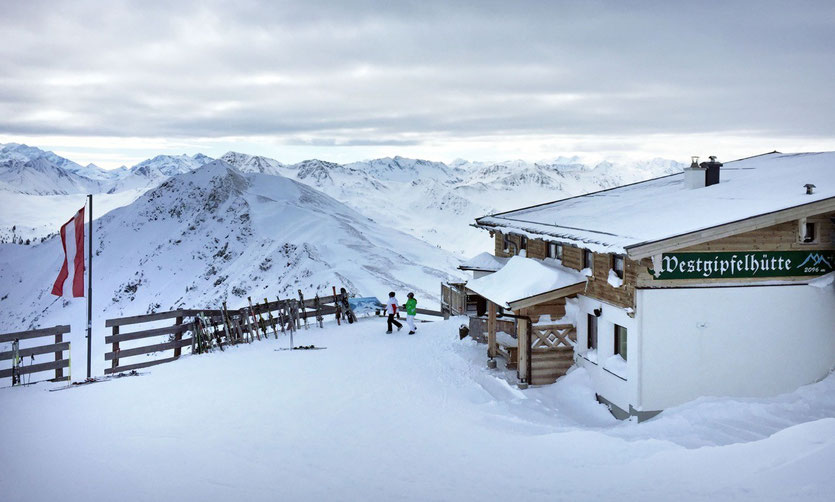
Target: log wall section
781,237
546,351
598,286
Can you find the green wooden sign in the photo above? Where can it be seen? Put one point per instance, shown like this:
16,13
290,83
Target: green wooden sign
742,264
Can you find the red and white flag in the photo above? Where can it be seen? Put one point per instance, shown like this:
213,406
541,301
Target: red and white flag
71,277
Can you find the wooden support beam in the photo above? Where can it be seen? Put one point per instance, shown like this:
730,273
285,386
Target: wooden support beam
491,329
35,368
115,348
138,319
178,336
129,367
523,343
147,333
59,355
148,349
33,351
35,333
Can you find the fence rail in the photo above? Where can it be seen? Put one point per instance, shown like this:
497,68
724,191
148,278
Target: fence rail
218,328
17,354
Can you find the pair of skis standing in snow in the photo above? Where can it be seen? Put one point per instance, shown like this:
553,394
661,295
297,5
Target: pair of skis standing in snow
411,310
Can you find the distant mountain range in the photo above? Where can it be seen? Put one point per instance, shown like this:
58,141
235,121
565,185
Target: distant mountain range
433,201
215,234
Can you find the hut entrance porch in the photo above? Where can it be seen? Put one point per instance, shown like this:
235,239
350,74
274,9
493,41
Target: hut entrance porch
543,347
533,293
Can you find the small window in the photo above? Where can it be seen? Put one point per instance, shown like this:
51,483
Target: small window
555,250
617,265
620,341
588,260
523,243
810,235
506,242
592,332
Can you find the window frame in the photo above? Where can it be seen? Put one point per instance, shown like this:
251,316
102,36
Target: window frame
506,242
621,336
592,335
813,225
619,258
523,243
588,259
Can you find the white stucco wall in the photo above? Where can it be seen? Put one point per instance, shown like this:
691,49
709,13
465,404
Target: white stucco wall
740,341
618,389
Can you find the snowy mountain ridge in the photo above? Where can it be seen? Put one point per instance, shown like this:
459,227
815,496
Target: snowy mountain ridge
433,201
217,234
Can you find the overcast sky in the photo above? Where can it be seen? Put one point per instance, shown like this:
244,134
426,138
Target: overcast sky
116,82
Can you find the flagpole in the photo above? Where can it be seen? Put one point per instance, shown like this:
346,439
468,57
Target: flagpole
90,286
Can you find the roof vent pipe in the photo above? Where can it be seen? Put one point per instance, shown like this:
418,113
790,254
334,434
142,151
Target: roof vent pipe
810,188
695,175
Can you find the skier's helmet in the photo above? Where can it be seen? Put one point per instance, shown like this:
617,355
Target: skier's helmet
411,295
391,294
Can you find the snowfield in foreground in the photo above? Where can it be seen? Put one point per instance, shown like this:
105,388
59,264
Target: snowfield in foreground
397,417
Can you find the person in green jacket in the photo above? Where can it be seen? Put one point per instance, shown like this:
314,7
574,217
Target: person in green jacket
411,310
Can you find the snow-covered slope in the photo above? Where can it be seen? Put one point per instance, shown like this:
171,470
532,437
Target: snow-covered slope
252,163
394,417
40,176
25,153
151,172
170,165
438,203
215,234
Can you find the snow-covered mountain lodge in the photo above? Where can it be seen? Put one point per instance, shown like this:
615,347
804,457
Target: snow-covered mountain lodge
712,282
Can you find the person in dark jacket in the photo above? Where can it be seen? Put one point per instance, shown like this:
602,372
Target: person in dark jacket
391,310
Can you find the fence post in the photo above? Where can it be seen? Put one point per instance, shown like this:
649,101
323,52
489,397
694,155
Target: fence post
59,355
178,336
115,349
336,304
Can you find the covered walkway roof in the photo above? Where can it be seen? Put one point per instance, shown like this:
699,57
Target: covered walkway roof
526,281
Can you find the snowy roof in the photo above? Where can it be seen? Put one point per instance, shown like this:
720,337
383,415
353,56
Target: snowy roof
484,262
616,219
523,278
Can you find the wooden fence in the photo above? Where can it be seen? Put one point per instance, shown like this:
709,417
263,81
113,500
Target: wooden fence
453,299
18,357
220,328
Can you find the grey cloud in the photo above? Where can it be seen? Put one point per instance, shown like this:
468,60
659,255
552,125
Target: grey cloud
386,73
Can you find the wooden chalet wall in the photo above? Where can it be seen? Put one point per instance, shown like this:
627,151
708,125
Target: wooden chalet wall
782,237
598,285
572,257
